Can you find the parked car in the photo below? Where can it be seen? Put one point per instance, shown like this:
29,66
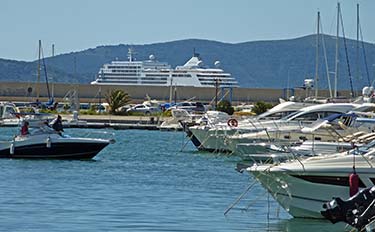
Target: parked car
189,106
140,108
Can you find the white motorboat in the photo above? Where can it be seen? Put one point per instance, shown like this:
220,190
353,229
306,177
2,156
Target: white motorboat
215,138
8,112
302,186
324,136
201,134
43,142
178,116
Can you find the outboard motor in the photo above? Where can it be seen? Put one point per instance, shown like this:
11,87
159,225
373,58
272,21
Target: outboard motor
357,211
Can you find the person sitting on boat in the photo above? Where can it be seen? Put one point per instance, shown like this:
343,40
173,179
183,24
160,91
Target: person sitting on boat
25,129
57,124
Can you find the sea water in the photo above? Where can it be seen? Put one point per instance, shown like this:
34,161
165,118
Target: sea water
146,181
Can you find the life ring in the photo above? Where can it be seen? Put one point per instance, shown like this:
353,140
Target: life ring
232,122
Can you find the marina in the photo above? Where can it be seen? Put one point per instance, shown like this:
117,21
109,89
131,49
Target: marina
136,123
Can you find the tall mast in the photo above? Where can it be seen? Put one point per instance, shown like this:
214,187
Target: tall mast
357,44
53,87
317,57
38,78
337,49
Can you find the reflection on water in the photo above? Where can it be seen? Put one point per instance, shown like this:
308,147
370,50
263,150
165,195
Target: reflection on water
143,182
310,225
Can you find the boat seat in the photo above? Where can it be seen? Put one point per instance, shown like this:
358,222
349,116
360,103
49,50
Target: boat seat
348,138
365,137
369,139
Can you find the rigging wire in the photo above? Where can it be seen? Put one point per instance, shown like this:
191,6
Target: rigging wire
364,56
326,61
45,73
347,55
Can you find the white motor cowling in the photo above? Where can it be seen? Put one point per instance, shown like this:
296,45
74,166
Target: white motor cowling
308,83
367,91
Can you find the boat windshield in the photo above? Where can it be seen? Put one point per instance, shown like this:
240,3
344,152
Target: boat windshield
291,115
363,149
275,116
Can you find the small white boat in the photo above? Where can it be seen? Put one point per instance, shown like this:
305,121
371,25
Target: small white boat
178,116
8,112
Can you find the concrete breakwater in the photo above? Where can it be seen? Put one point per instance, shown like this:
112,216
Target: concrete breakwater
25,92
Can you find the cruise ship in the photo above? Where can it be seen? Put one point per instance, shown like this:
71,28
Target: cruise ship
154,73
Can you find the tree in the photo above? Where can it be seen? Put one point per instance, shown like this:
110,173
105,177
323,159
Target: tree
116,98
225,106
261,107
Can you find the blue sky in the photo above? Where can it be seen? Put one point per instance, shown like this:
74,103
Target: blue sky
74,25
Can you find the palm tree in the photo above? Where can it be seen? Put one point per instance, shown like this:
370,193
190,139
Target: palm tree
116,98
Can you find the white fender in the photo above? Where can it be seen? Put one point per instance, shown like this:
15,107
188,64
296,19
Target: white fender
11,148
48,142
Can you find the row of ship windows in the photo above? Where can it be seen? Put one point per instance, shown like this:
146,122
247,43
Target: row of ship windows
213,81
156,75
166,70
151,82
135,74
127,67
133,82
124,71
221,84
164,77
174,75
136,79
118,74
216,76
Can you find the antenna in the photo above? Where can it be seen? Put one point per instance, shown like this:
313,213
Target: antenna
130,54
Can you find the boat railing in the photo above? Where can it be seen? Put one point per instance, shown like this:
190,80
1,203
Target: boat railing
366,156
106,135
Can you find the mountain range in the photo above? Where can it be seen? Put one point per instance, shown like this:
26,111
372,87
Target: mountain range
257,64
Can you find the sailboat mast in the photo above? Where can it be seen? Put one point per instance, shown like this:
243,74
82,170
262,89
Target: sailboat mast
317,57
38,77
357,44
337,49
53,86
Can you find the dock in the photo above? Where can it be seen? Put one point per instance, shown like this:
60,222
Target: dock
113,121
105,121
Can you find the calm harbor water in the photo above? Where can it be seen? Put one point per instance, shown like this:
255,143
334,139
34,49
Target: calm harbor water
143,182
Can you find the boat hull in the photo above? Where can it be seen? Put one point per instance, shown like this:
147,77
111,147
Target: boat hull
69,150
302,194
211,140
